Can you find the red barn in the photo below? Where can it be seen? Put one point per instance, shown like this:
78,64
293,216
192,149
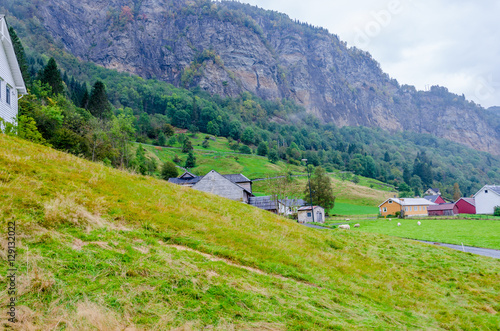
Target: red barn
465,206
444,209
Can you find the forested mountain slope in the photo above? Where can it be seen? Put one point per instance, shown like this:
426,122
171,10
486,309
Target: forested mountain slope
227,48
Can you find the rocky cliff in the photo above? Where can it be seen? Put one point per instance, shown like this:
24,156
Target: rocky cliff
227,48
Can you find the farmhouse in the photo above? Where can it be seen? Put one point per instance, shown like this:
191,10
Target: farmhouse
407,207
11,80
186,179
305,214
465,206
487,198
215,183
432,191
267,203
444,209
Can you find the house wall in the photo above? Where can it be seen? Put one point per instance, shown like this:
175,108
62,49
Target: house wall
463,207
216,184
439,200
435,213
247,186
392,208
7,112
319,216
412,211
486,202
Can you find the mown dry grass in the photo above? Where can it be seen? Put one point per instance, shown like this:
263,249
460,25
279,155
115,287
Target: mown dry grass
96,251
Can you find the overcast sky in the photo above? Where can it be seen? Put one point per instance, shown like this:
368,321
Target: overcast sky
452,43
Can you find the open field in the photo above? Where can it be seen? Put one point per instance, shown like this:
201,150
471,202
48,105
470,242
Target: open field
104,249
476,233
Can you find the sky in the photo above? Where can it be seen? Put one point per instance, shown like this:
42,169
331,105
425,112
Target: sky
451,43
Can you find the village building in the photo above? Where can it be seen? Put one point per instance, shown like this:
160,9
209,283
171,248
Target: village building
435,198
432,191
486,199
186,179
282,206
444,209
215,183
465,206
305,214
268,203
406,207
12,85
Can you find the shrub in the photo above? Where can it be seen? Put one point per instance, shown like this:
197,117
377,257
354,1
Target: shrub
497,211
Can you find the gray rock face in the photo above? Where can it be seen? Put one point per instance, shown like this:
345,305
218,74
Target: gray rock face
228,48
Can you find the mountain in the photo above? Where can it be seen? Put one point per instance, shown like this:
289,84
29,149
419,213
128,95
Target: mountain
228,48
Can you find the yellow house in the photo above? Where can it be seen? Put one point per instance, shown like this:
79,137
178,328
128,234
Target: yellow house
408,207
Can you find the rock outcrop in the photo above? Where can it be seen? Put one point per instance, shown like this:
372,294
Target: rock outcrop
227,48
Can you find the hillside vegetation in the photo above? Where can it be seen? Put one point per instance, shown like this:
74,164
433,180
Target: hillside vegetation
100,248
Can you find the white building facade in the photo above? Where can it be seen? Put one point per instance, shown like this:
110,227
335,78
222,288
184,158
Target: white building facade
11,80
487,199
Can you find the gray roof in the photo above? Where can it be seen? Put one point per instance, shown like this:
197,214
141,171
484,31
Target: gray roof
432,198
266,203
494,188
238,178
293,202
186,178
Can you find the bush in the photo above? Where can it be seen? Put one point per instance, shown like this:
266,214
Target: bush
497,211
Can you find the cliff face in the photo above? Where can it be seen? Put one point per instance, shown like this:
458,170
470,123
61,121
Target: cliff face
227,48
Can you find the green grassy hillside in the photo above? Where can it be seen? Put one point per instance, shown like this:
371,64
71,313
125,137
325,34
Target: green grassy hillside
103,249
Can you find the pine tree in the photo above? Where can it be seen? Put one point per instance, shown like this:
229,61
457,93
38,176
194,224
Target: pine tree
187,146
20,55
98,104
191,160
52,75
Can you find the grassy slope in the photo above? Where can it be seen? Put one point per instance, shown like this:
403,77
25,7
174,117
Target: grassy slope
99,248
477,233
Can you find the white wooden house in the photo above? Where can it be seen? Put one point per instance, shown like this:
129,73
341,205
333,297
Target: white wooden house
486,199
11,80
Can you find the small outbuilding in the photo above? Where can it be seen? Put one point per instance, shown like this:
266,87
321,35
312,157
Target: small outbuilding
444,209
465,206
305,214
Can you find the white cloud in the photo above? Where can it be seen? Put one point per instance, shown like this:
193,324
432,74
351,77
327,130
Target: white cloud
452,43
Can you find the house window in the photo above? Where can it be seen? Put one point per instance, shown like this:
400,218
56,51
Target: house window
390,201
485,191
7,95
385,209
309,214
406,208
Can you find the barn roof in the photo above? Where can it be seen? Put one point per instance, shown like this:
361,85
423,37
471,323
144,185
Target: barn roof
308,208
443,206
237,178
410,202
266,202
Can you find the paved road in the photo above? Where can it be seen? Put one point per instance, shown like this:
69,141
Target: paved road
474,250
315,226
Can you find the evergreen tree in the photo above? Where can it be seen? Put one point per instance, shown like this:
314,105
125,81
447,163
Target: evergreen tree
191,160
20,55
162,140
169,170
273,156
406,174
187,146
321,189
52,75
98,104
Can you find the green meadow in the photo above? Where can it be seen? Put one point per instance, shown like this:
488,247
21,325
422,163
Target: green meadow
103,249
